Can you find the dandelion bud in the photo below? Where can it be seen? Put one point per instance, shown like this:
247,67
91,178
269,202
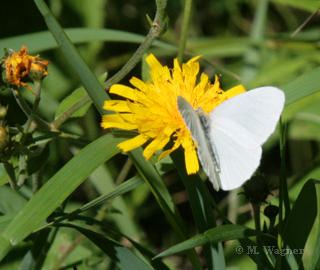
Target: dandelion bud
3,112
256,189
3,132
3,138
271,211
38,70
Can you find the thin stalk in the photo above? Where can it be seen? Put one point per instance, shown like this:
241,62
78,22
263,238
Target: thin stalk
256,213
184,32
154,32
33,111
26,109
65,116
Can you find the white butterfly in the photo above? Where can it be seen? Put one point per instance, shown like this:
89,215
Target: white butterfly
229,138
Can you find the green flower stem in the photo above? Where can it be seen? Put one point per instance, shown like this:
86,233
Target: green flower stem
185,27
154,32
12,177
22,173
33,111
26,109
256,213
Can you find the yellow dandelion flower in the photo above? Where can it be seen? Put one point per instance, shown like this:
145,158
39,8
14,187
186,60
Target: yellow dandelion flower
151,108
19,64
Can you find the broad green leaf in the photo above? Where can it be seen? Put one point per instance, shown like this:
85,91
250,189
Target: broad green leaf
302,216
215,235
73,98
4,179
118,191
57,189
5,220
11,201
122,256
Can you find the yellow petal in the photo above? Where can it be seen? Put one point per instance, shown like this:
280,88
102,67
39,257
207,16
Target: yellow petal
153,62
235,91
194,59
191,160
168,152
139,84
133,143
115,121
159,142
116,105
123,91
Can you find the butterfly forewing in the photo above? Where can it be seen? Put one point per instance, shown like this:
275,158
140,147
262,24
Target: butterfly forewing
193,123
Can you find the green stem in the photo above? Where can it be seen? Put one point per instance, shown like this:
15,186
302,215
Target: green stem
12,177
256,212
185,27
36,181
22,170
154,32
33,111
65,116
26,109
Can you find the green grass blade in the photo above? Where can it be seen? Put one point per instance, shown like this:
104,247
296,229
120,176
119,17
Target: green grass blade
303,86
202,211
302,216
214,235
122,256
87,78
57,189
147,254
41,41
164,199
315,258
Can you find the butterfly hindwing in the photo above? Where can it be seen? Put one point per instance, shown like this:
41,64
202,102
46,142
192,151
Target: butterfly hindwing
239,126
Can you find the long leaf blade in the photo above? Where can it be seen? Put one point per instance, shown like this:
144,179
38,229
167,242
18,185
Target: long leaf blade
57,189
